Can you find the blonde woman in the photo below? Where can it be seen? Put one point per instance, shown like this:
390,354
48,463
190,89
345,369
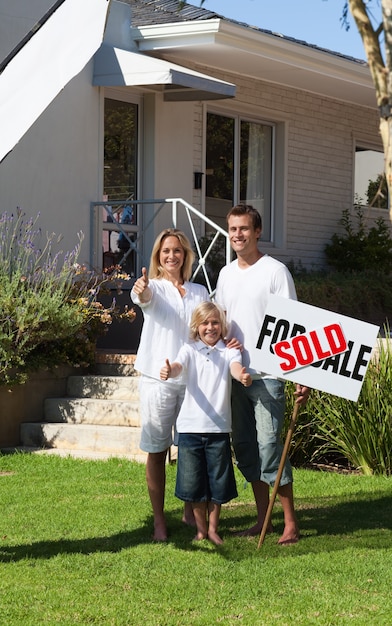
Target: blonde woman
167,300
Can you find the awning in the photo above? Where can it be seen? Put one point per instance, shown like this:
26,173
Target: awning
114,67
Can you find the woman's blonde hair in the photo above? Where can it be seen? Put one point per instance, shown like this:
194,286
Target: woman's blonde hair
200,314
156,270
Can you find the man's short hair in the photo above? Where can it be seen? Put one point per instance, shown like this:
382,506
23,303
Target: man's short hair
246,209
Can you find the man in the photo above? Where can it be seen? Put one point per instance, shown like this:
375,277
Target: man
243,290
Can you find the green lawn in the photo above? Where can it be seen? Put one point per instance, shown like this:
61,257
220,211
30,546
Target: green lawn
75,548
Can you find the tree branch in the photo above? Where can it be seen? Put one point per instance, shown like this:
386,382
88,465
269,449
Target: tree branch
371,42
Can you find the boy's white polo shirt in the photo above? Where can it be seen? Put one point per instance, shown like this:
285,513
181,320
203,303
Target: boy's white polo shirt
207,406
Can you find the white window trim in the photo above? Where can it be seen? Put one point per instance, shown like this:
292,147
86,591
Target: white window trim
280,151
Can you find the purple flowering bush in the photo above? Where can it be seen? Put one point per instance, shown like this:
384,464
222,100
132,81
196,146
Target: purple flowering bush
50,313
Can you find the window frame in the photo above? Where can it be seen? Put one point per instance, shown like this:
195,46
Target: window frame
129,97
278,165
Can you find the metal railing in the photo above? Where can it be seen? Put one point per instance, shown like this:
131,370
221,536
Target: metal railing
138,233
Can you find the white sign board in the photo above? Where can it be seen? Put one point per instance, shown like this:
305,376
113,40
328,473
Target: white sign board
314,347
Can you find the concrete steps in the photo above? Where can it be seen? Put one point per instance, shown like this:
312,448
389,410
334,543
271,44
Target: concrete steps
98,418
108,440
96,400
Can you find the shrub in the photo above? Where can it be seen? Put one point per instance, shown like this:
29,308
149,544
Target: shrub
332,429
360,433
49,307
359,249
304,446
366,295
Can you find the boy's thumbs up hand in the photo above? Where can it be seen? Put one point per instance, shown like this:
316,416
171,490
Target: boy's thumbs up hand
245,378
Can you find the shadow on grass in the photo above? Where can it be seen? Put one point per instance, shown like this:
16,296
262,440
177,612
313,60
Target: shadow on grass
180,535
348,517
335,518
48,549
360,522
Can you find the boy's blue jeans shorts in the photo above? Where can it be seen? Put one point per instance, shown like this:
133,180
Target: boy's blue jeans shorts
204,468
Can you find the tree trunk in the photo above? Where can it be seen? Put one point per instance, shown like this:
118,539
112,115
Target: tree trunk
381,73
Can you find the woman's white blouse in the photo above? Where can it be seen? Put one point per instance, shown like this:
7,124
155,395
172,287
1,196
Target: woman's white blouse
166,324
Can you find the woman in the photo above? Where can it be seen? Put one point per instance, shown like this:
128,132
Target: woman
167,300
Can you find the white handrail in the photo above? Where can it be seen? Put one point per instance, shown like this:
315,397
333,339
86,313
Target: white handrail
136,235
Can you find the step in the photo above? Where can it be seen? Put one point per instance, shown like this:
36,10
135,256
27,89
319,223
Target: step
98,418
113,364
92,455
101,386
115,369
113,440
92,411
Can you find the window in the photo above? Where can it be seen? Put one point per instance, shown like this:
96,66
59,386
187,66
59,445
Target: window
370,185
120,184
239,168
120,149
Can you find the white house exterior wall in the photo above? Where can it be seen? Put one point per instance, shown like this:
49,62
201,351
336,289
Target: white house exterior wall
174,153
56,169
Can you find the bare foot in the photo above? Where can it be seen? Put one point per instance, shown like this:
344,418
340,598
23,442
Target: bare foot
289,537
188,516
214,538
254,530
188,519
199,536
160,532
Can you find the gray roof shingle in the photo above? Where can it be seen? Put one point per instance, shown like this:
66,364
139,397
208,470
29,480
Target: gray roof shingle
165,12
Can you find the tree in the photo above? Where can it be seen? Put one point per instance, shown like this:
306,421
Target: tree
380,69
377,192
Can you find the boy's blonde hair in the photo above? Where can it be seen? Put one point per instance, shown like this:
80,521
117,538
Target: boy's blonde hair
200,314
156,270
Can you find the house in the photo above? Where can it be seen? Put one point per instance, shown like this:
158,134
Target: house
172,119
190,106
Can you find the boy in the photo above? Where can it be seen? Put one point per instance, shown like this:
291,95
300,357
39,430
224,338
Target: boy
205,475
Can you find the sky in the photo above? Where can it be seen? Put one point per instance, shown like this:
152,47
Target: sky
314,21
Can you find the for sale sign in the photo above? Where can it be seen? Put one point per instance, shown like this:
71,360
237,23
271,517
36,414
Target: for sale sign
314,347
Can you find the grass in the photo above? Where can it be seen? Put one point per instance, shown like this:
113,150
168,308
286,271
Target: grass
75,549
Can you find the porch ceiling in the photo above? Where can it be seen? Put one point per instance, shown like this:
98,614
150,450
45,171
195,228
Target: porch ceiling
234,48
116,67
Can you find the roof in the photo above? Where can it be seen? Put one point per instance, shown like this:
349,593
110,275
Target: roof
155,12
166,11
195,35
